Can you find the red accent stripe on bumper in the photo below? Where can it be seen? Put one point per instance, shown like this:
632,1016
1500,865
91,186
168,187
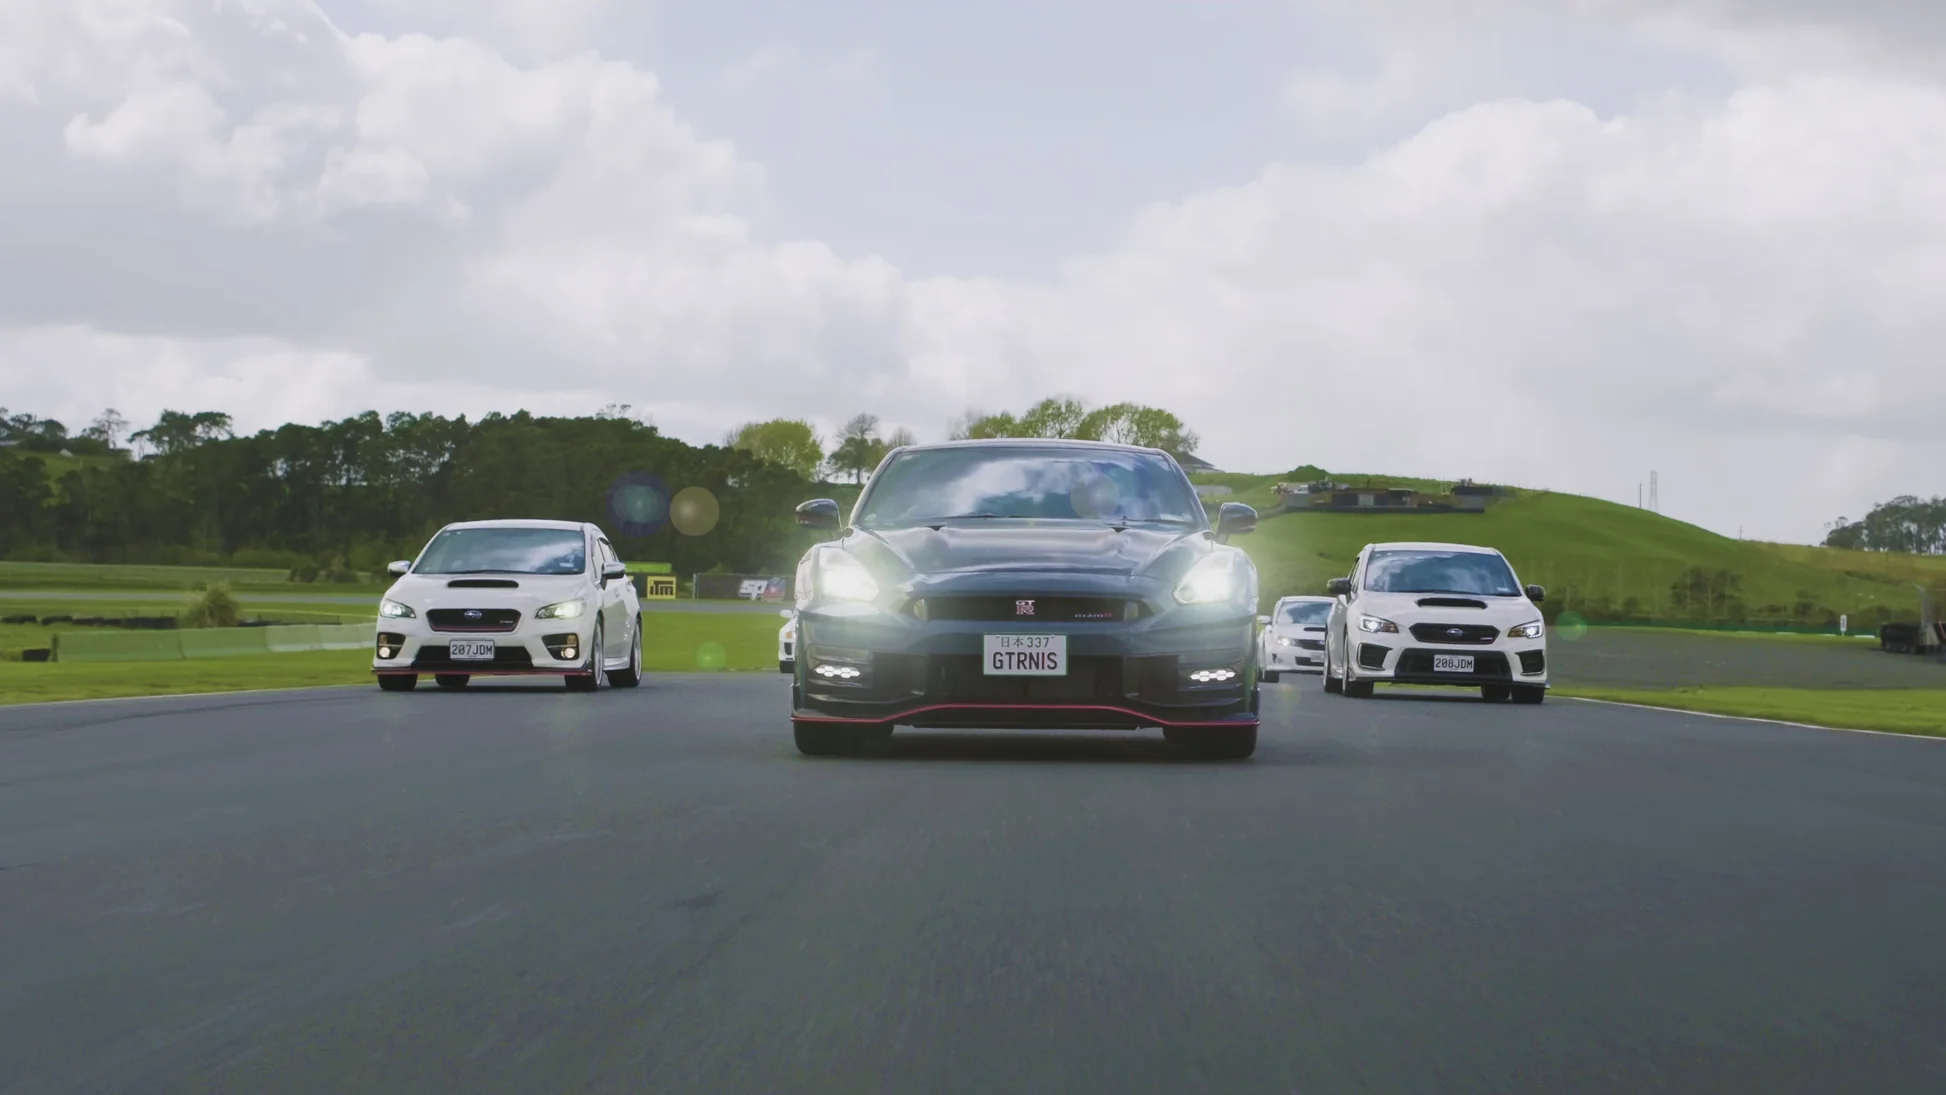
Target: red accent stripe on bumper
998,707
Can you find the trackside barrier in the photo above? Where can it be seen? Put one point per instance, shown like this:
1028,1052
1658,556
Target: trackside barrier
210,642
116,646
223,642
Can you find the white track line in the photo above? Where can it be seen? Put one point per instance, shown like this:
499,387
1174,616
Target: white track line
1753,718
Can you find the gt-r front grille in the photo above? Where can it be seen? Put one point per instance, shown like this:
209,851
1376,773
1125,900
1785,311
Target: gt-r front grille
473,620
963,679
1028,608
1456,634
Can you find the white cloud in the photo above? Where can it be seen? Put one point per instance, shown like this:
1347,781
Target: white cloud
1735,292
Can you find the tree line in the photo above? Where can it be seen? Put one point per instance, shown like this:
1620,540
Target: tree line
860,444
346,496
1905,524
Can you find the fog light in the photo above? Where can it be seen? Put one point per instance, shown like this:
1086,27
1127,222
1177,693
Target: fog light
567,653
384,651
1204,676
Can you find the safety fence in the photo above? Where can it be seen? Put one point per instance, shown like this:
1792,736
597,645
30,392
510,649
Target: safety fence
207,642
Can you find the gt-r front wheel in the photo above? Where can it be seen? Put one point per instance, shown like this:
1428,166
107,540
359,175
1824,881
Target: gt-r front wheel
1216,742
823,739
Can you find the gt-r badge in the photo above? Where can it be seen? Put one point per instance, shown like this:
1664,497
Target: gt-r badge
1023,608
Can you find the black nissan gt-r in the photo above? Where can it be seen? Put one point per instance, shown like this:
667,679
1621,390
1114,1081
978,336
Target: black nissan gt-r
1020,583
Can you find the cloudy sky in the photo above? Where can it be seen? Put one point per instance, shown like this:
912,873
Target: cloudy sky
1558,243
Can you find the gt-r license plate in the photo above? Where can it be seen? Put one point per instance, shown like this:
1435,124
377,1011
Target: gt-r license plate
470,650
1026,655
1452,663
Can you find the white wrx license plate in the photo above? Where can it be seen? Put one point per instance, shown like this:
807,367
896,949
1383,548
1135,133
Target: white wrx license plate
1026,655
470,650
1452,663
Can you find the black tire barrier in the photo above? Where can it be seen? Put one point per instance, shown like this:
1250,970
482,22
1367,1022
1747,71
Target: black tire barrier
37,654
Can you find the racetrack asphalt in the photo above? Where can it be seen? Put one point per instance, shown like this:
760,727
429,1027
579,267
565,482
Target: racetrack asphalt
651,891
365,600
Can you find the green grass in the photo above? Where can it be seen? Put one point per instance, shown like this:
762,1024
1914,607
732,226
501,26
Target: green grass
1898,711
671,642
93,576
17,637
1585,548
1853,641
27,682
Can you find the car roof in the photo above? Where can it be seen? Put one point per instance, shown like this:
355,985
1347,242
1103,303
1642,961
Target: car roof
1431,545
521,522
1034,443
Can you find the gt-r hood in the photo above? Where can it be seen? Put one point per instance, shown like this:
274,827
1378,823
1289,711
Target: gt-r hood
1036,548
1459,608
424,591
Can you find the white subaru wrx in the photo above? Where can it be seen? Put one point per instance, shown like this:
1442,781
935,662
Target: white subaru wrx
511,598
1437,614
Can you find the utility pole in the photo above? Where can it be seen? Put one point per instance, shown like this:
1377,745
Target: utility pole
1655,497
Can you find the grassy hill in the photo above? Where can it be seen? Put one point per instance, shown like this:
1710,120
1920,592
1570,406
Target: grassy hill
1605,560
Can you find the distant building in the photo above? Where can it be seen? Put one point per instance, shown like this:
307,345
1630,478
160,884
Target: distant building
1192,463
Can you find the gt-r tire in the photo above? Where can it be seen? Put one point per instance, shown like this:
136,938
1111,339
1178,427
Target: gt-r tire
815,739
631,676
451,680
398,682
1216,742
1496,693
1529,693
591,680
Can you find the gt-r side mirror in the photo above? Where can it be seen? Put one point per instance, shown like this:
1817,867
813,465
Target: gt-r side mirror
399,569
1536,594
613,571
1339,587
1235,519
819,513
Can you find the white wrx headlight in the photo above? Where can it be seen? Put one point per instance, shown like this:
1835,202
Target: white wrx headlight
841,577
562,610
393,610
1527,631
1376,624
1213,580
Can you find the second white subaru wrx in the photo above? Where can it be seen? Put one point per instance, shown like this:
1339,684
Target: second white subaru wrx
511,598
1438,614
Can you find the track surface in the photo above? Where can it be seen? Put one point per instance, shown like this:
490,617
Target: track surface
650,891
365,600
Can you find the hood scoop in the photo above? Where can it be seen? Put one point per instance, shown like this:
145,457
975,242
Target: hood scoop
483,583
1450,602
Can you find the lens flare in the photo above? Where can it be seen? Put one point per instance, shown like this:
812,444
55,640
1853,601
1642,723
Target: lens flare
694,511
712,656
639,504
1570,626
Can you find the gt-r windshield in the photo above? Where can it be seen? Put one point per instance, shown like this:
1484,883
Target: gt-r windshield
1305,614
1474,573
504,551
924,486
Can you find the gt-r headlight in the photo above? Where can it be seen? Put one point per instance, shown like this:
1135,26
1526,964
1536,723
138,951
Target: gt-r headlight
1532,630
839,576
1377,624
561,610
1218,577
393,610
